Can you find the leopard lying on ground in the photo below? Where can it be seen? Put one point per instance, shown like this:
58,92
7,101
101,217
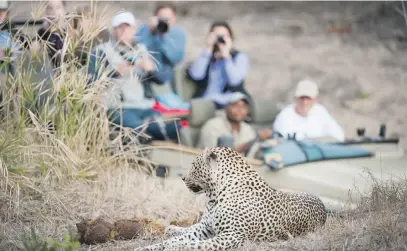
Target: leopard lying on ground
242,207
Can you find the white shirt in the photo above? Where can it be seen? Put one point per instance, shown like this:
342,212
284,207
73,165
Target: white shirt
318,123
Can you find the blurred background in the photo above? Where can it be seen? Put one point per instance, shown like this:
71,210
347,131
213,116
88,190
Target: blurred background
355,51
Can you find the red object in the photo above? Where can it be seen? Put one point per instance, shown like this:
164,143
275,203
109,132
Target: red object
184,123
176,112
164,110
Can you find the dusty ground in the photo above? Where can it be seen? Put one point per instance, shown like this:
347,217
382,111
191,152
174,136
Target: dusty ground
361,73
123,193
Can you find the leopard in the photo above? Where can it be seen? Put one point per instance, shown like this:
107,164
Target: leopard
240,207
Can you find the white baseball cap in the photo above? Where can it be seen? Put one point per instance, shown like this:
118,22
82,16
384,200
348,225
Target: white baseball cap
4,4
125,17
306,88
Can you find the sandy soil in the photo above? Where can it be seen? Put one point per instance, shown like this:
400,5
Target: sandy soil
361,73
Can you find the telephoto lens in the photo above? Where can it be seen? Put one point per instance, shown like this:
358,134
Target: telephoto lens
221,40
162,26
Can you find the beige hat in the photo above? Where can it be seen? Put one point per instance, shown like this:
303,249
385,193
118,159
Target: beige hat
307,88
237,96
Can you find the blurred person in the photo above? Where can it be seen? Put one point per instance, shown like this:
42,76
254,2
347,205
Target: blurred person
307,118
127,60
9,48
232,124
124,56
54,29
220,69
165,40
11,43
86,33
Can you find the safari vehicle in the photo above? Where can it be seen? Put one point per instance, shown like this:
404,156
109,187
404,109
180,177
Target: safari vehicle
347,170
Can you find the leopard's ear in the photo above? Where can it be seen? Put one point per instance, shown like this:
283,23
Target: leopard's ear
212,156
209,155
210,160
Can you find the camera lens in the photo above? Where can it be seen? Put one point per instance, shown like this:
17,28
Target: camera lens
360,132
221,40
162,26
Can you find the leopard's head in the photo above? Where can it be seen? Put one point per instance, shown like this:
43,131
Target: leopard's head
203,172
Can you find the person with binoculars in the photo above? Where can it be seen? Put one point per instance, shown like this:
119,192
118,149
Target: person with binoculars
220,69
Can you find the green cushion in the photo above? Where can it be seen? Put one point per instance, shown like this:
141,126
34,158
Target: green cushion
201,111
263,112
184,87
189,136
161,89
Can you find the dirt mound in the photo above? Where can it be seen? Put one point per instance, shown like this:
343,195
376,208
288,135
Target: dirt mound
100,231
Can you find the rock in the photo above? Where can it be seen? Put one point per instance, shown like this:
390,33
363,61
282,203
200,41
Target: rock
128,229
98,233
94,231
82,227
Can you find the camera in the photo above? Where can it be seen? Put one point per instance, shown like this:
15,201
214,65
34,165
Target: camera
221,40
162,26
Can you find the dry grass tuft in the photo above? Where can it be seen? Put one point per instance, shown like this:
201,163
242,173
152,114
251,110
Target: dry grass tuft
52,179
118,193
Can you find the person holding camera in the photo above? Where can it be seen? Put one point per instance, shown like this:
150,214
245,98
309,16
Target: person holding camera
124,60
220,69
165,40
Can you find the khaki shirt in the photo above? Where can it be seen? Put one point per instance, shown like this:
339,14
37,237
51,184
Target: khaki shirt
219,126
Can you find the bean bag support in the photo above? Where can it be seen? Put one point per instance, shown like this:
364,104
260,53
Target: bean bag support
295,152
